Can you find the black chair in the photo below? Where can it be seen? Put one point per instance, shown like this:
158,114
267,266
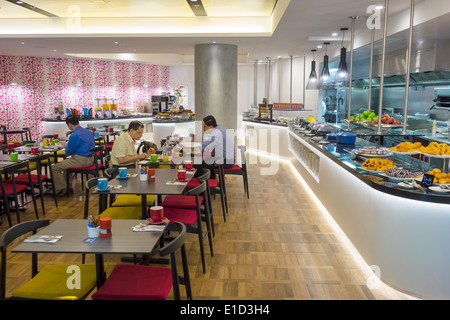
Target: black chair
49,283
38,179
13,189
4,199
240,170
193,219
142,282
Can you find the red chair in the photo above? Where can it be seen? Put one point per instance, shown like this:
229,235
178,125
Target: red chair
141,282
13,189
93,169
240,170
193,219
37,179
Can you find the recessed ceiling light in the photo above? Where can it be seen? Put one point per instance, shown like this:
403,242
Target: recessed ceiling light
22,42
379,7
19,2
54,49
319,46
334,34
115,42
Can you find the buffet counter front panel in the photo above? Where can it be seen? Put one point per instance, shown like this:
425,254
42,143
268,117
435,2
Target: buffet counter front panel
404,238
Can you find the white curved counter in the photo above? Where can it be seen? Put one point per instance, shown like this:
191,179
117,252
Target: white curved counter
406,239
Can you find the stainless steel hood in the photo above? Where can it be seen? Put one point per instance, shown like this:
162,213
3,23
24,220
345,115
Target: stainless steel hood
430,58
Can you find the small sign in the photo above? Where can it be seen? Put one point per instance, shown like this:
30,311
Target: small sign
427,180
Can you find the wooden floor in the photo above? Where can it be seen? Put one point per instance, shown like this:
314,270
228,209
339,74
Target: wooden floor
276,245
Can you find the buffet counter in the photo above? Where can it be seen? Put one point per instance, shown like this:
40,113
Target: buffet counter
402,232
154,129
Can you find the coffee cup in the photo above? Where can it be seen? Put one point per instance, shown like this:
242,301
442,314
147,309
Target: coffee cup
123,171
156,213
10,146
181,175
14,156
154,158
96,134
188,165
34,150
102,184
111,129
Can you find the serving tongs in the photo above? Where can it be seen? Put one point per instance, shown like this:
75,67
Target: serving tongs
414,184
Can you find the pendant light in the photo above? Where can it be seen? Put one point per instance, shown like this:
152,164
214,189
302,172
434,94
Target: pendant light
342,73
325,78
312,81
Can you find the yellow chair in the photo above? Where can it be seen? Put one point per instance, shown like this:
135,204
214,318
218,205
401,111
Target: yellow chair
51,282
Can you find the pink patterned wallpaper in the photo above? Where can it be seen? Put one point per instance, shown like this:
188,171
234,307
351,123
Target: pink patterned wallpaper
42,80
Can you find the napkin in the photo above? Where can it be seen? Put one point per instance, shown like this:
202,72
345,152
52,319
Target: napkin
43,239
174,183
139,228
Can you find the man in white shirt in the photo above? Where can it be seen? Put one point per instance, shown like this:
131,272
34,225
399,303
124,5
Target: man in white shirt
216,141
124,151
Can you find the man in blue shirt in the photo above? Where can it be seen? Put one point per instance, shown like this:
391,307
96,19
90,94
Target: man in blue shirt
80,142
218,142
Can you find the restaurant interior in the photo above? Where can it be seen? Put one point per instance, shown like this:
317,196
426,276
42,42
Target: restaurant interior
339,115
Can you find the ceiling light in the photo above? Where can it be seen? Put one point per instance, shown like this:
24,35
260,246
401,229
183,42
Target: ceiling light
342,73
312,81
22,42
319,46
325,78
379,7
334,34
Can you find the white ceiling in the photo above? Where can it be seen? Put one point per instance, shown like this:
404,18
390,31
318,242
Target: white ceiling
260,28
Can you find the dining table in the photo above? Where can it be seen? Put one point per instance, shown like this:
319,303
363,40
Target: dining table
165,183
5,133
124,240
49,149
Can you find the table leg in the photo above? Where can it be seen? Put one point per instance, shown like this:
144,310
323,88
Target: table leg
99,265
144,206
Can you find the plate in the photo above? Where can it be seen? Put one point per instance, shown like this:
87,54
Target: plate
395,179
404,185
438,189
374,171
150,221
371,155
405,153
436,155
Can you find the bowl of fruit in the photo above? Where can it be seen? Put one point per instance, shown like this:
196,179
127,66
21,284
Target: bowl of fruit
366,116
387,122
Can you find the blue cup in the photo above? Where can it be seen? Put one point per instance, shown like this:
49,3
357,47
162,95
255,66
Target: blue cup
102,184
96,134
123,172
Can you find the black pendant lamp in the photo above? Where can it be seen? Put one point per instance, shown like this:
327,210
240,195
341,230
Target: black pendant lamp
313,83
342,73
325,78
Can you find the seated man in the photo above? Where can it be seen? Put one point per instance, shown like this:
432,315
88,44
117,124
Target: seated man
218,142
80,142
124,151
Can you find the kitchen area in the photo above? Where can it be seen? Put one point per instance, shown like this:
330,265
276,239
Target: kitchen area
380,166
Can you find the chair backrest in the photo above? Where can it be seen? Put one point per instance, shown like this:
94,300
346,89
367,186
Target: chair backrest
111,173
242,150
100,150
9,236
91,183
205,175
197,190
178,244
27,133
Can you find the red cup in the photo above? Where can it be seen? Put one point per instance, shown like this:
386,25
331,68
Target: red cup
10,146
56,136
34,150
188,165
111,129
106,126
156,213
94,129
181,175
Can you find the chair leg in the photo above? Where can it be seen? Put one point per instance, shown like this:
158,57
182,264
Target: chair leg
246,185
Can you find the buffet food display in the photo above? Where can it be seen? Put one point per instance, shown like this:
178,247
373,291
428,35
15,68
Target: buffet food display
175,115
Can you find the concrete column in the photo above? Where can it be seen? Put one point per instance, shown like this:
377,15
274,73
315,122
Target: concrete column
215,67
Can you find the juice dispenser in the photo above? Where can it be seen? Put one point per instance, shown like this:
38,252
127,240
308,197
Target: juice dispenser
106,108
98,110
114,113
